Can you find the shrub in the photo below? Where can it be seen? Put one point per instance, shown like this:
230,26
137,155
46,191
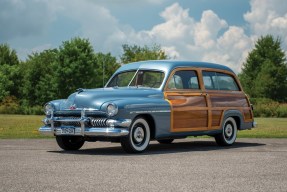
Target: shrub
268,108
9,105
31,110
282,110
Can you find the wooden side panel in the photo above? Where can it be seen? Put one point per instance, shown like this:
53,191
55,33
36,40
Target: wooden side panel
228,101
190,119
220,102
179,101
189,112
216,117
247,114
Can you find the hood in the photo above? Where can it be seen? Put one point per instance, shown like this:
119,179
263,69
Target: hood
94,98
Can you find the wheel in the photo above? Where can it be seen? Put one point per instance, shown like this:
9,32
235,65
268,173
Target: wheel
229,133
70,142
165,141
138,138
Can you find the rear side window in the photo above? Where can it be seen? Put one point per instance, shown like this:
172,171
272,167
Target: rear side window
185,79
219,81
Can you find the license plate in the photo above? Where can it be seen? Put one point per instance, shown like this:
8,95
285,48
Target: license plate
68,131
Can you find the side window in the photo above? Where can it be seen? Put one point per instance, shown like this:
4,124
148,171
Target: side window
227,82
186,79
210,80
219,81
175,82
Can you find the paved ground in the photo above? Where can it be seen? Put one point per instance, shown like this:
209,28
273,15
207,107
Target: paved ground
187,165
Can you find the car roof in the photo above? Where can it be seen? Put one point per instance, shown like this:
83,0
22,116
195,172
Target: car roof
169,65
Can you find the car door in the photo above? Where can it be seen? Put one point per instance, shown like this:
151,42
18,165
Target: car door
189,106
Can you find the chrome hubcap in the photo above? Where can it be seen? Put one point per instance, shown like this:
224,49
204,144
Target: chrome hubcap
139,134
228,131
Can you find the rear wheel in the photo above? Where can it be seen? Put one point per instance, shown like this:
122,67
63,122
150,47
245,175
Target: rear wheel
165,141
229,133
70,142
139,137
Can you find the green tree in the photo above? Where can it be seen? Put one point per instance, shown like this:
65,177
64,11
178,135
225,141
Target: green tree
136,53
9,72
106,66
264,74
8,56
39,78
75,66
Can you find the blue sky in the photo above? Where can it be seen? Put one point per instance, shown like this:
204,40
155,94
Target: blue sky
221,31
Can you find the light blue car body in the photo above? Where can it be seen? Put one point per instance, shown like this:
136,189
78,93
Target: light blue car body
131,102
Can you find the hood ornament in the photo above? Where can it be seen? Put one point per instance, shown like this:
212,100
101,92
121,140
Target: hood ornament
79,90
73,107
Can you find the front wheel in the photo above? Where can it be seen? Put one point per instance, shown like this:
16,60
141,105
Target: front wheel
138,138
229,133
70,142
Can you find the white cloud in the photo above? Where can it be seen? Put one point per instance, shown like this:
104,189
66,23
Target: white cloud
210,38
183,37
207,29
23,18
268,17
171,52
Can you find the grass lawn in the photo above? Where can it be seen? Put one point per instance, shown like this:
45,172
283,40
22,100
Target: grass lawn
26,126
267,128
20,126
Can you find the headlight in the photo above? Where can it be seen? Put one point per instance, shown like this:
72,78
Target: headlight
49,107
112,109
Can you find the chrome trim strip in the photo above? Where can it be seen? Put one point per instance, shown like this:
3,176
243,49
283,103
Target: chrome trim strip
161,111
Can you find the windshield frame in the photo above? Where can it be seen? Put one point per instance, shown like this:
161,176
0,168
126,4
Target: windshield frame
135,76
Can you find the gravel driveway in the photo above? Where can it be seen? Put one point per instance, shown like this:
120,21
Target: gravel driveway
187,165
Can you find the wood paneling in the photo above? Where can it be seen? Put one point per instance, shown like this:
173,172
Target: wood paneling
187,101
199,110
190,119
189,111
228,100
216,117
247,114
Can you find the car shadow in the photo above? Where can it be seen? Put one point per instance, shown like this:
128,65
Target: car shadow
155,148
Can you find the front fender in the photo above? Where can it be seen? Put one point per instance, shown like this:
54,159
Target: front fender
158,109
57,103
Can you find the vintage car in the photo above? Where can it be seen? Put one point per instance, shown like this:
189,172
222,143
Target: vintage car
153,100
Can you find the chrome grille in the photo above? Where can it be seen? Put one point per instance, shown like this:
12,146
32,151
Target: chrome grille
93,122
69,123
75,124
98,122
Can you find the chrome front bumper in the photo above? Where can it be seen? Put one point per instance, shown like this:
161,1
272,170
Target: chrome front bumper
111,127
91,131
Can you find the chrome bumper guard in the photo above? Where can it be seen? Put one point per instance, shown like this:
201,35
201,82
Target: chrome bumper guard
114,128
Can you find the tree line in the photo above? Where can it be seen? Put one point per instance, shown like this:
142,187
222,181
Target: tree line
55,73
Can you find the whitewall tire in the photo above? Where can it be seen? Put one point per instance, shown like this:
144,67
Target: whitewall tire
229,132
138,138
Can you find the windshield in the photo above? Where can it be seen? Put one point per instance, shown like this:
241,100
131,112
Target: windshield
140,78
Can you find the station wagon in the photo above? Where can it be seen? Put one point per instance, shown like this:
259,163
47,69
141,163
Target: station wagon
153,100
